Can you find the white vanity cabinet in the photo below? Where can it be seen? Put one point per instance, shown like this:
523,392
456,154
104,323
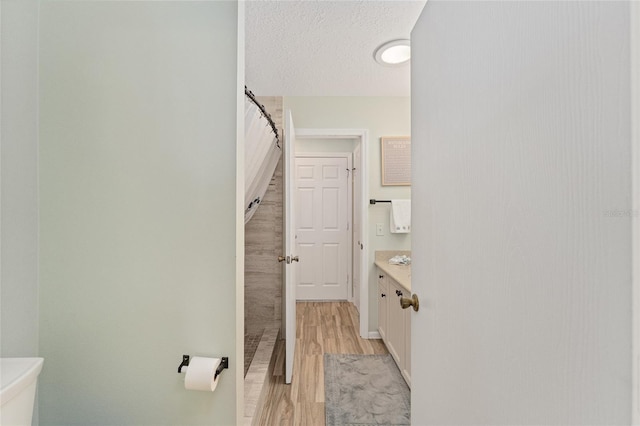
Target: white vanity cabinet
383,297
394,323
406,367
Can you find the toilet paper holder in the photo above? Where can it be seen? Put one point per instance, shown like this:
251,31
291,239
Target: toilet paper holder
224,363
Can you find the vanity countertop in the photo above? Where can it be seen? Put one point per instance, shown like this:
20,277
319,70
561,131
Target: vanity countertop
399,273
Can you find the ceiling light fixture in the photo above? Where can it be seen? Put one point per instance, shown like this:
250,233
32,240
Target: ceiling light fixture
393,53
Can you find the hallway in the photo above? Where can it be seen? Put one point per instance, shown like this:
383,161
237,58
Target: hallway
322,327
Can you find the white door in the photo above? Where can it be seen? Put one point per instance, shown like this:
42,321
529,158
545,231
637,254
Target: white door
520,125
322,228
289,243
357,219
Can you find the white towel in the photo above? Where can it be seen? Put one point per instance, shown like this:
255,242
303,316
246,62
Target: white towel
400,220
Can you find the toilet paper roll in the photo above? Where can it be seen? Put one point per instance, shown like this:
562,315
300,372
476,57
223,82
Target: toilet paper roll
200,374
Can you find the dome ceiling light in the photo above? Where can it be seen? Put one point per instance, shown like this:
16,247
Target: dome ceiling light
393,53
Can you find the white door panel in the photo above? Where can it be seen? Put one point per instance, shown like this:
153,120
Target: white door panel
330,262
307,274
322,231
521,123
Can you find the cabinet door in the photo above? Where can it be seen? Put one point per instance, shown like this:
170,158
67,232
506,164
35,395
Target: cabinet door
383,303
395,324
406,366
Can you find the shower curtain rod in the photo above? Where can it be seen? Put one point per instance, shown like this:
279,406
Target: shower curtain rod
251,96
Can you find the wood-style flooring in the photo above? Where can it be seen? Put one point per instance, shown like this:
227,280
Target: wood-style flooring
322,327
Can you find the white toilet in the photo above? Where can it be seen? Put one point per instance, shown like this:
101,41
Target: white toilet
19,377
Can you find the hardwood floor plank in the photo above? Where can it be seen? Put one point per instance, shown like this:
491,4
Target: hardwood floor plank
329,326
378,346
310,414
311,343
331,346
279,407
311,379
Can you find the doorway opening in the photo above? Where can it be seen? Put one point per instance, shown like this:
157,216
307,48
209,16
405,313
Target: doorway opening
354,142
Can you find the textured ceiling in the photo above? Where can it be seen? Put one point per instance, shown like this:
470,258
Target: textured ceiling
325,48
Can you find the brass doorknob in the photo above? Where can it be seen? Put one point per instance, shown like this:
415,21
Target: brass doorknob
405,302
295,259
281,258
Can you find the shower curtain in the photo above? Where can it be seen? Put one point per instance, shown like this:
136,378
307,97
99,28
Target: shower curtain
262,152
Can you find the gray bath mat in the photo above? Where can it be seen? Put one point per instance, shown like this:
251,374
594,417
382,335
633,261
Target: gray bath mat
365,390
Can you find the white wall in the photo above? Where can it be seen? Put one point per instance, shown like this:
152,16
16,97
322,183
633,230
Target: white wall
521,118
382,116
635,135
137,184
325,145
19,215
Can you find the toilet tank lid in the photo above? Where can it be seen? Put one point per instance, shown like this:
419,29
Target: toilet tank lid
16,374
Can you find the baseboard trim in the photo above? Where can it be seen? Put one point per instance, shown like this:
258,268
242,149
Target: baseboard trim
374,335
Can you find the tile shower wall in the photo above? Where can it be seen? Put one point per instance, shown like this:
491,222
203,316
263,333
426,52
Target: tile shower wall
263,245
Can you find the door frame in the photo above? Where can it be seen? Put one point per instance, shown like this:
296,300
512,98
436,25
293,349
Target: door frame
349,157
356,186
362,138
635,212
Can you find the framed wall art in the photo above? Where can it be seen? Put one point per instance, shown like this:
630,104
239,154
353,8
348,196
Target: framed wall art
396,160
